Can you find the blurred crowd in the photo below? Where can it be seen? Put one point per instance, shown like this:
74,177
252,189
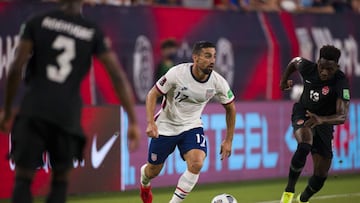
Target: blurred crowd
294,6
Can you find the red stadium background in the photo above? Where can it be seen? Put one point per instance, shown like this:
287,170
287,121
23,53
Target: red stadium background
252,48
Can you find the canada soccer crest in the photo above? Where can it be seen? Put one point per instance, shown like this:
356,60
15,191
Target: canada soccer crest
300,122
325,90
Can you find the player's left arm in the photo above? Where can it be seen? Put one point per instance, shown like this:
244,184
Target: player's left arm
120,83
342,109
226,145
22,55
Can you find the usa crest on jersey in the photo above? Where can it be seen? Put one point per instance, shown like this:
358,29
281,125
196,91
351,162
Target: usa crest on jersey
209,93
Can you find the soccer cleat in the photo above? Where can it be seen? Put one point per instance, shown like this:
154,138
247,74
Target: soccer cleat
298,199
146,194
287,197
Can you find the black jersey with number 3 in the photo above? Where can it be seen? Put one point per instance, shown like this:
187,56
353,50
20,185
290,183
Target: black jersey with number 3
63,46
320,97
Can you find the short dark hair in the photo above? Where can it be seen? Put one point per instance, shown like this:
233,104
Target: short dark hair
200,45
169,43
330,52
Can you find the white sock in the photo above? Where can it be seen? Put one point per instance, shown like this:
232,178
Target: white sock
145,181
185,184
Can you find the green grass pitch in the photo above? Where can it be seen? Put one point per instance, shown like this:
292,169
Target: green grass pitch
337,189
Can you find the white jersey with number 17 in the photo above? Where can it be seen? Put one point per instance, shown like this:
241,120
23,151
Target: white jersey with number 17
186,97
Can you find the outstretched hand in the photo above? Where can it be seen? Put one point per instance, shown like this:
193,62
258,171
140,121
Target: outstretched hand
152,130
313,120
286,84
225,149
133,137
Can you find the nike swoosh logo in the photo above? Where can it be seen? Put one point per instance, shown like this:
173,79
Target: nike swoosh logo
98,156
307,81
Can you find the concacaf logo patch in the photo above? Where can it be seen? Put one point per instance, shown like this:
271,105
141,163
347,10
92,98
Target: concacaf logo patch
346,94
162,81
230,94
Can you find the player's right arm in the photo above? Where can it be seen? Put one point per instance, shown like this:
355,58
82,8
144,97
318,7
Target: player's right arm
151,98
162,86
123,89
22,55
285,83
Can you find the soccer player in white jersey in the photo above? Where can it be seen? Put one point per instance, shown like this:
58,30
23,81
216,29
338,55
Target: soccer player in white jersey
186,88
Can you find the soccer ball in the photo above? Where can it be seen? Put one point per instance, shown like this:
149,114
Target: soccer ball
296,92
224,198
288,5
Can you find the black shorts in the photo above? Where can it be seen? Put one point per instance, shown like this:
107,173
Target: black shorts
31,137
322,134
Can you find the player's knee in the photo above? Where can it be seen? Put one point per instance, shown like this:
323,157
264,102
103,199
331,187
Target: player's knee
61,175
25,173
153,170
304,148
299,159
195,166
23,181
317,182
321,166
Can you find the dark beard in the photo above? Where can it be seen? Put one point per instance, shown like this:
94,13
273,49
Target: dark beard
206,71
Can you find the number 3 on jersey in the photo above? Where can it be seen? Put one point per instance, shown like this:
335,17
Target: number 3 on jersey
63,59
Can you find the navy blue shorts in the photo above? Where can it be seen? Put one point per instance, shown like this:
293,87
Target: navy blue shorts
160,148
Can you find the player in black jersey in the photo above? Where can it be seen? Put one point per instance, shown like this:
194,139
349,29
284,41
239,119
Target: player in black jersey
57,48
323,104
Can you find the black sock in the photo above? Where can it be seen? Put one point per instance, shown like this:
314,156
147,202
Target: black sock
314,185
58,192
305,196
297,164
22,193
292,179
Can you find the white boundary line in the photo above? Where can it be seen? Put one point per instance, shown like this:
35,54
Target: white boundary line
321,197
